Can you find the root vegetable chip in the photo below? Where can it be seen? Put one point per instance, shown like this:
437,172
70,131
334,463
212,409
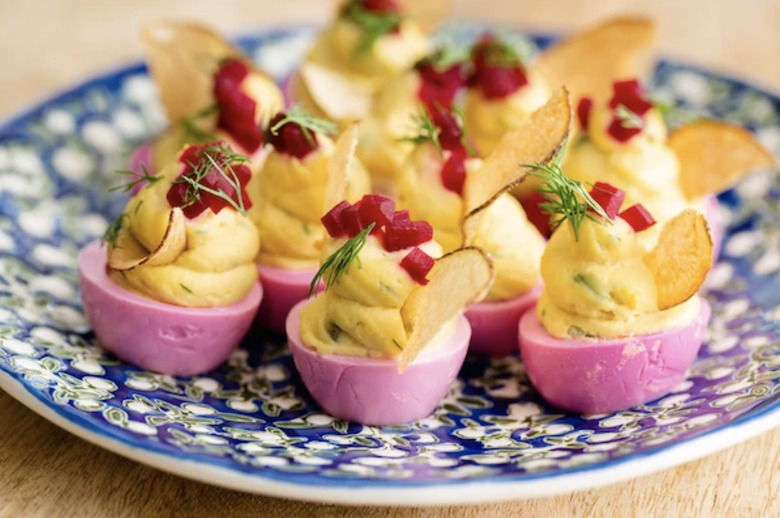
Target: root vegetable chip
458,279
126,253
536,141
183,58
713,155
590,61
681,258
338,168
333,94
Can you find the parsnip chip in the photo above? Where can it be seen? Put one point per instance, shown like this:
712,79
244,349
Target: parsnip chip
127,253
338,166
427,14
536,141
588,62
713,155
334,94
183,58
681,258
456,280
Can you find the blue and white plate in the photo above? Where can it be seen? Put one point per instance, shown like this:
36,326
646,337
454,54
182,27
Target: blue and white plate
252,426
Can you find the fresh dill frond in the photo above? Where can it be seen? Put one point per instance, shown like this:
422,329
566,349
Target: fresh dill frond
112,231
565,198
185,288
217,157
307,122
139,179
627,118
500,52
193,131
446,56
464,139
372,24
673,115
337,264
426,131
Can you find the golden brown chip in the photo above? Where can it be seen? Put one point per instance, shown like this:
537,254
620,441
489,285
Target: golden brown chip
535,141
713,155
336,96
127,253
427,14
681,259
588,62
457,279
338,167
183,58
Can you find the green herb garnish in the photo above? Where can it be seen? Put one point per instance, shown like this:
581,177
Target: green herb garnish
139,179
673,115
307,123
445,56
112,232
185,288
220,158
627,118
464,139
336,265
374,25
565,199
426,131
191,129
499,52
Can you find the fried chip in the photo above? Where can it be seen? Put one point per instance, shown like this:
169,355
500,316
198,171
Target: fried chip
427,14
457,279
590,61
537,140
183,58
338,167
333,94
713,155
681,259
127,253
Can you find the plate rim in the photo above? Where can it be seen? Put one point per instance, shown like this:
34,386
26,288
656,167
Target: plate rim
459,491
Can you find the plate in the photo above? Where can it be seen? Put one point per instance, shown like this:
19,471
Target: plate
252,426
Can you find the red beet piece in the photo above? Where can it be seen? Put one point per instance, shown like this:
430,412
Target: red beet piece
181,194
417,263
638,217
291,139
453,173
403,234
401,215
583,111
497,73
630,95
620,132
332,220
438,88
380,6
377,209
535,214
450,132
236,109
350,219
609,197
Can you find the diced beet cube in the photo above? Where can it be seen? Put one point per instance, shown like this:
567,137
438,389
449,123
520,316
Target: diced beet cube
622,133
629,93
453,173
404,234
417,263
350,220
375,208
332,220
401,215
609,197
638,217
583,111
532,205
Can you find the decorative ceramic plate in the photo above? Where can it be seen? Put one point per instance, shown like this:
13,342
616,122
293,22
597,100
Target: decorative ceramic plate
252,426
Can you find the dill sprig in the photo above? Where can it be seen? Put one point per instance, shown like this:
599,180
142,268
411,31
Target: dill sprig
464,139
500,52
336,265
426,131
565,198
221,158
373,25
112,231
139,179
627,118
190,126
673,115
446,56
308,123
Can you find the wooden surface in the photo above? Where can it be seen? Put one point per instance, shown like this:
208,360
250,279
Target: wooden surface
49,44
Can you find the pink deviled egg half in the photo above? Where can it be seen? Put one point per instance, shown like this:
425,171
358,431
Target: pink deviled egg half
174,287
616,325
384,341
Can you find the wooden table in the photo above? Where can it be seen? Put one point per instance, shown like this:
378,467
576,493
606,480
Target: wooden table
44,471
